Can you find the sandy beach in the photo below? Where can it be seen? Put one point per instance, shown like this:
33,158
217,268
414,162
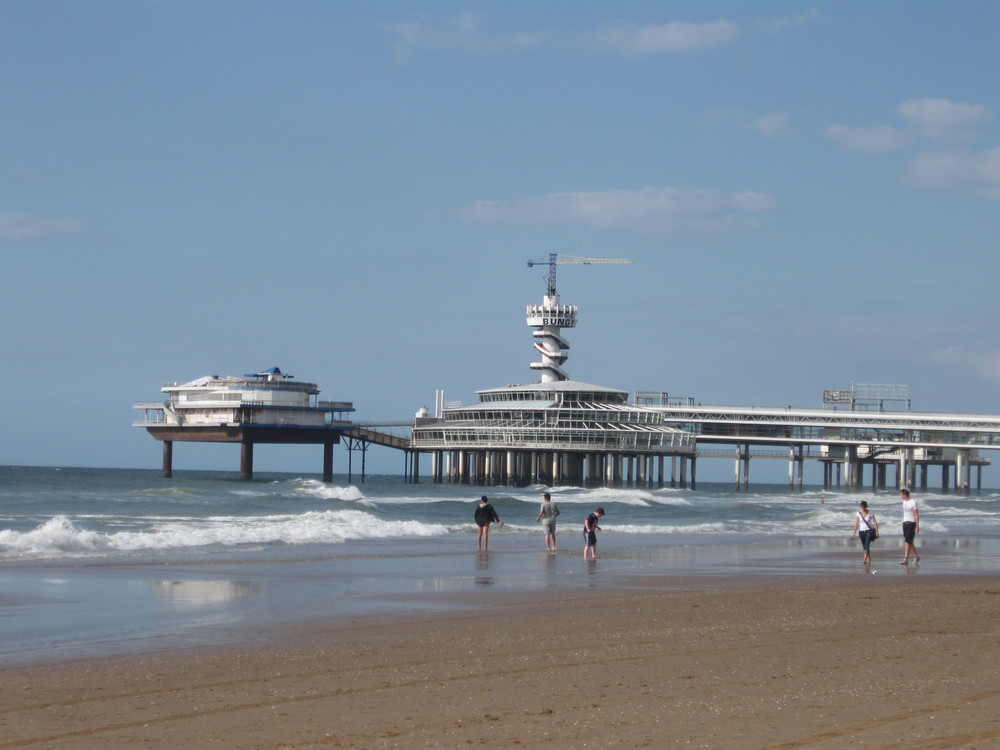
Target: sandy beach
897,661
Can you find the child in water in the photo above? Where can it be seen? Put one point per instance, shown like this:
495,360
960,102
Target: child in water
485,515
590,529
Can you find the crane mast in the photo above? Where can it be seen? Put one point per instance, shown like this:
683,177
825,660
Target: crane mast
561,260
549,318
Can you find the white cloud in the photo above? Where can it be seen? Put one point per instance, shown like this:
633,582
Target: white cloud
676,37
14,227
925,118
939,118
985,365
874,140
648,209
772,124
799,19
466,31
946,169
929,120
470,32
768,124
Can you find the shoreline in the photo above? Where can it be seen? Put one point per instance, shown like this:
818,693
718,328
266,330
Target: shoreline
57,610
667,661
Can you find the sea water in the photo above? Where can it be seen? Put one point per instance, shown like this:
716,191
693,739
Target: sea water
96,561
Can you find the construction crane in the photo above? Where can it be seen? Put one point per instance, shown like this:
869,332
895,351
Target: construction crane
560,260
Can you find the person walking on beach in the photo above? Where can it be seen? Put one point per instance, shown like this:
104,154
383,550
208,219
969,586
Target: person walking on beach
485,515
590,529
911,526
547,515
866,529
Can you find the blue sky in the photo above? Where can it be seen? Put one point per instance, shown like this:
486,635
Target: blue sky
810,194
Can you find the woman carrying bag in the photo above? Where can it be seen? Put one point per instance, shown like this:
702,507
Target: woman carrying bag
866,529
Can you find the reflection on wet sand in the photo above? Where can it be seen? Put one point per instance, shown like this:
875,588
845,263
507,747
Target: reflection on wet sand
196,593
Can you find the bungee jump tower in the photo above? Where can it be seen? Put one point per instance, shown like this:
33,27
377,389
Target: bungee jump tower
557,431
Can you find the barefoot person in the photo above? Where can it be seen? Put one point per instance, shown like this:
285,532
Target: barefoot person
590,529
485,515
547,515
911,526
865,528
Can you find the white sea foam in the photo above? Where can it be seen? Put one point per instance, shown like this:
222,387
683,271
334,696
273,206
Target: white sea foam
602,495
57,535
701,528
324,491
61,537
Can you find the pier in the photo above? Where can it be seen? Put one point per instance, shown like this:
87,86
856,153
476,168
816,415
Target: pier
259,408
247,436
855,448
846,442
559,431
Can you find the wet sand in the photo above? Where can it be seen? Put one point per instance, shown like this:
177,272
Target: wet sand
703,662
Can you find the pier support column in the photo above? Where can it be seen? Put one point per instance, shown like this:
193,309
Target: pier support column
168,458
852,468
743,459
327,462
246,460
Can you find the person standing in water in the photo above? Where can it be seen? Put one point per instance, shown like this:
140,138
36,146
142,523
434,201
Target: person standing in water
547,515
865,528
485,515
590,529
911,526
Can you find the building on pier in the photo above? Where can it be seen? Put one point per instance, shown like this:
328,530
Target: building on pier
264,407
556,431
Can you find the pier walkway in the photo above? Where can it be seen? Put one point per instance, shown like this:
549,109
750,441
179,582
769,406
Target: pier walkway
845,441
363,434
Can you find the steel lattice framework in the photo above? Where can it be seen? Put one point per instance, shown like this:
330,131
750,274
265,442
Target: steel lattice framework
788,426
